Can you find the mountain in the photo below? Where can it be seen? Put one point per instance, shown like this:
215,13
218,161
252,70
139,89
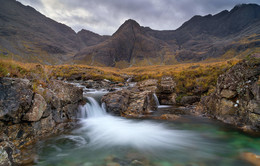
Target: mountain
213,36
221,36
128,44
88,38
27,35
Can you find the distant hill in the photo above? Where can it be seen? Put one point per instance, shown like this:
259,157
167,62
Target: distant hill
27,35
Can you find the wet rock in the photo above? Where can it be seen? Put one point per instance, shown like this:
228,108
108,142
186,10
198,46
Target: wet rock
15,98
71,111
187,100
134,101
236,98
116,102
141,103
37,109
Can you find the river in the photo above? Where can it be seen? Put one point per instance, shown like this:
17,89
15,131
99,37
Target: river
103,139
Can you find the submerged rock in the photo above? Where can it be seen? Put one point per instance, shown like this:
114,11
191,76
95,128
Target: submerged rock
251,158
236,98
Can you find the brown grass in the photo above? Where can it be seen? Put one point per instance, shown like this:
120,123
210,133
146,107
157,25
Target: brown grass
191,78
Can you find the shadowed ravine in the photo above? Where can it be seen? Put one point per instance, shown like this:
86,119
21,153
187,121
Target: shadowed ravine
104,139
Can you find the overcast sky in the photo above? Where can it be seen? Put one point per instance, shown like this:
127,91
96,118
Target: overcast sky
105,16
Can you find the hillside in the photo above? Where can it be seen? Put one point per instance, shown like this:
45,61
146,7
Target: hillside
28,36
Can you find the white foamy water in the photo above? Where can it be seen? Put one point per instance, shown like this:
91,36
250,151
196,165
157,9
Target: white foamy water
103,129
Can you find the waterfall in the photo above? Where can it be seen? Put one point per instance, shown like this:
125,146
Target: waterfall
104,129
92,109
158,103
156,100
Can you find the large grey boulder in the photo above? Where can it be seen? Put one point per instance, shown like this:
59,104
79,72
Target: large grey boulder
15,98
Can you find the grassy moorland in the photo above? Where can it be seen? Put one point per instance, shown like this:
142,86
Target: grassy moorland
191,78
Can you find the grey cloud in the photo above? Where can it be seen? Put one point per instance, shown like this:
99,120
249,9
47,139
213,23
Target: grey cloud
105,16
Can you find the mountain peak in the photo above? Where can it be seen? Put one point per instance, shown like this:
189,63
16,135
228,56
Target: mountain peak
130,23
128,26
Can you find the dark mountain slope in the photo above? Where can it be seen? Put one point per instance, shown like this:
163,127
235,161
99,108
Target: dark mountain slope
27,35
89,38
129,44
212,36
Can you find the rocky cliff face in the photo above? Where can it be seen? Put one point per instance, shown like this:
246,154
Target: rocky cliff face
27,114
236,99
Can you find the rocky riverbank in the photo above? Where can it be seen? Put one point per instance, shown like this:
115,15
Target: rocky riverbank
29,113
141,101
236,99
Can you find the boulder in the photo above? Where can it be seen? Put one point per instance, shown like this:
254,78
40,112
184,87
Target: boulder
27,114
37,109
141,103
15,98
236,99
132,102
116,102
65,92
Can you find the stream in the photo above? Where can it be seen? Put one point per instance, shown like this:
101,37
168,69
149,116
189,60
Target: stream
106,140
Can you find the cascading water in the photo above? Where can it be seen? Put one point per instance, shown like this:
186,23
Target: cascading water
103,139
158,103
106,130
156,100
